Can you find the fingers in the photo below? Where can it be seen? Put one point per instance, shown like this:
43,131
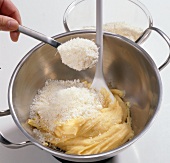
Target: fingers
8,24
9,18
14,36
9,9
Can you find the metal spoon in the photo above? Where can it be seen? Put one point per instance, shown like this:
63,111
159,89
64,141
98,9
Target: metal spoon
80,63
38,36
99,81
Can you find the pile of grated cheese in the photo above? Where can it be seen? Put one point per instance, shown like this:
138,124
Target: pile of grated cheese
79,53
62,100
121,28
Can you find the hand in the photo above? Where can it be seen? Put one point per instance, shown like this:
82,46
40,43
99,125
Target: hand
9,18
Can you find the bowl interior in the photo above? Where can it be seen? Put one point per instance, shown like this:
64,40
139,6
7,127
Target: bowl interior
126,67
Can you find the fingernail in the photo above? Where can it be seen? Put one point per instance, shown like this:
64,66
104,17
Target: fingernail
12,24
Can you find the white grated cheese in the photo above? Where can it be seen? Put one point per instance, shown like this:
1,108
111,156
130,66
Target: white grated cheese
62,100
121,28
79,53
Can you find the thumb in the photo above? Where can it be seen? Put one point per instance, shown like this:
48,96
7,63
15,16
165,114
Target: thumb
8,24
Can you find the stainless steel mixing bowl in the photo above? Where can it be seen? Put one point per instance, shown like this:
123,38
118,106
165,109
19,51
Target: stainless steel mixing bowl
126,66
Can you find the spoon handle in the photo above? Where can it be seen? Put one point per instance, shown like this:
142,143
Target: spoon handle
38,36
99,36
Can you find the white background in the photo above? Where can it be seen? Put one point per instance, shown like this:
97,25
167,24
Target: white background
46,16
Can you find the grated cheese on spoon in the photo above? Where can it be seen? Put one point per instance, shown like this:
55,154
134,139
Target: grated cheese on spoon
79,53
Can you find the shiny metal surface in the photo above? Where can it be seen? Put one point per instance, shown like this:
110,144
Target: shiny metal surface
76,16
38,36
166,38
11,145
4,112
126,66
